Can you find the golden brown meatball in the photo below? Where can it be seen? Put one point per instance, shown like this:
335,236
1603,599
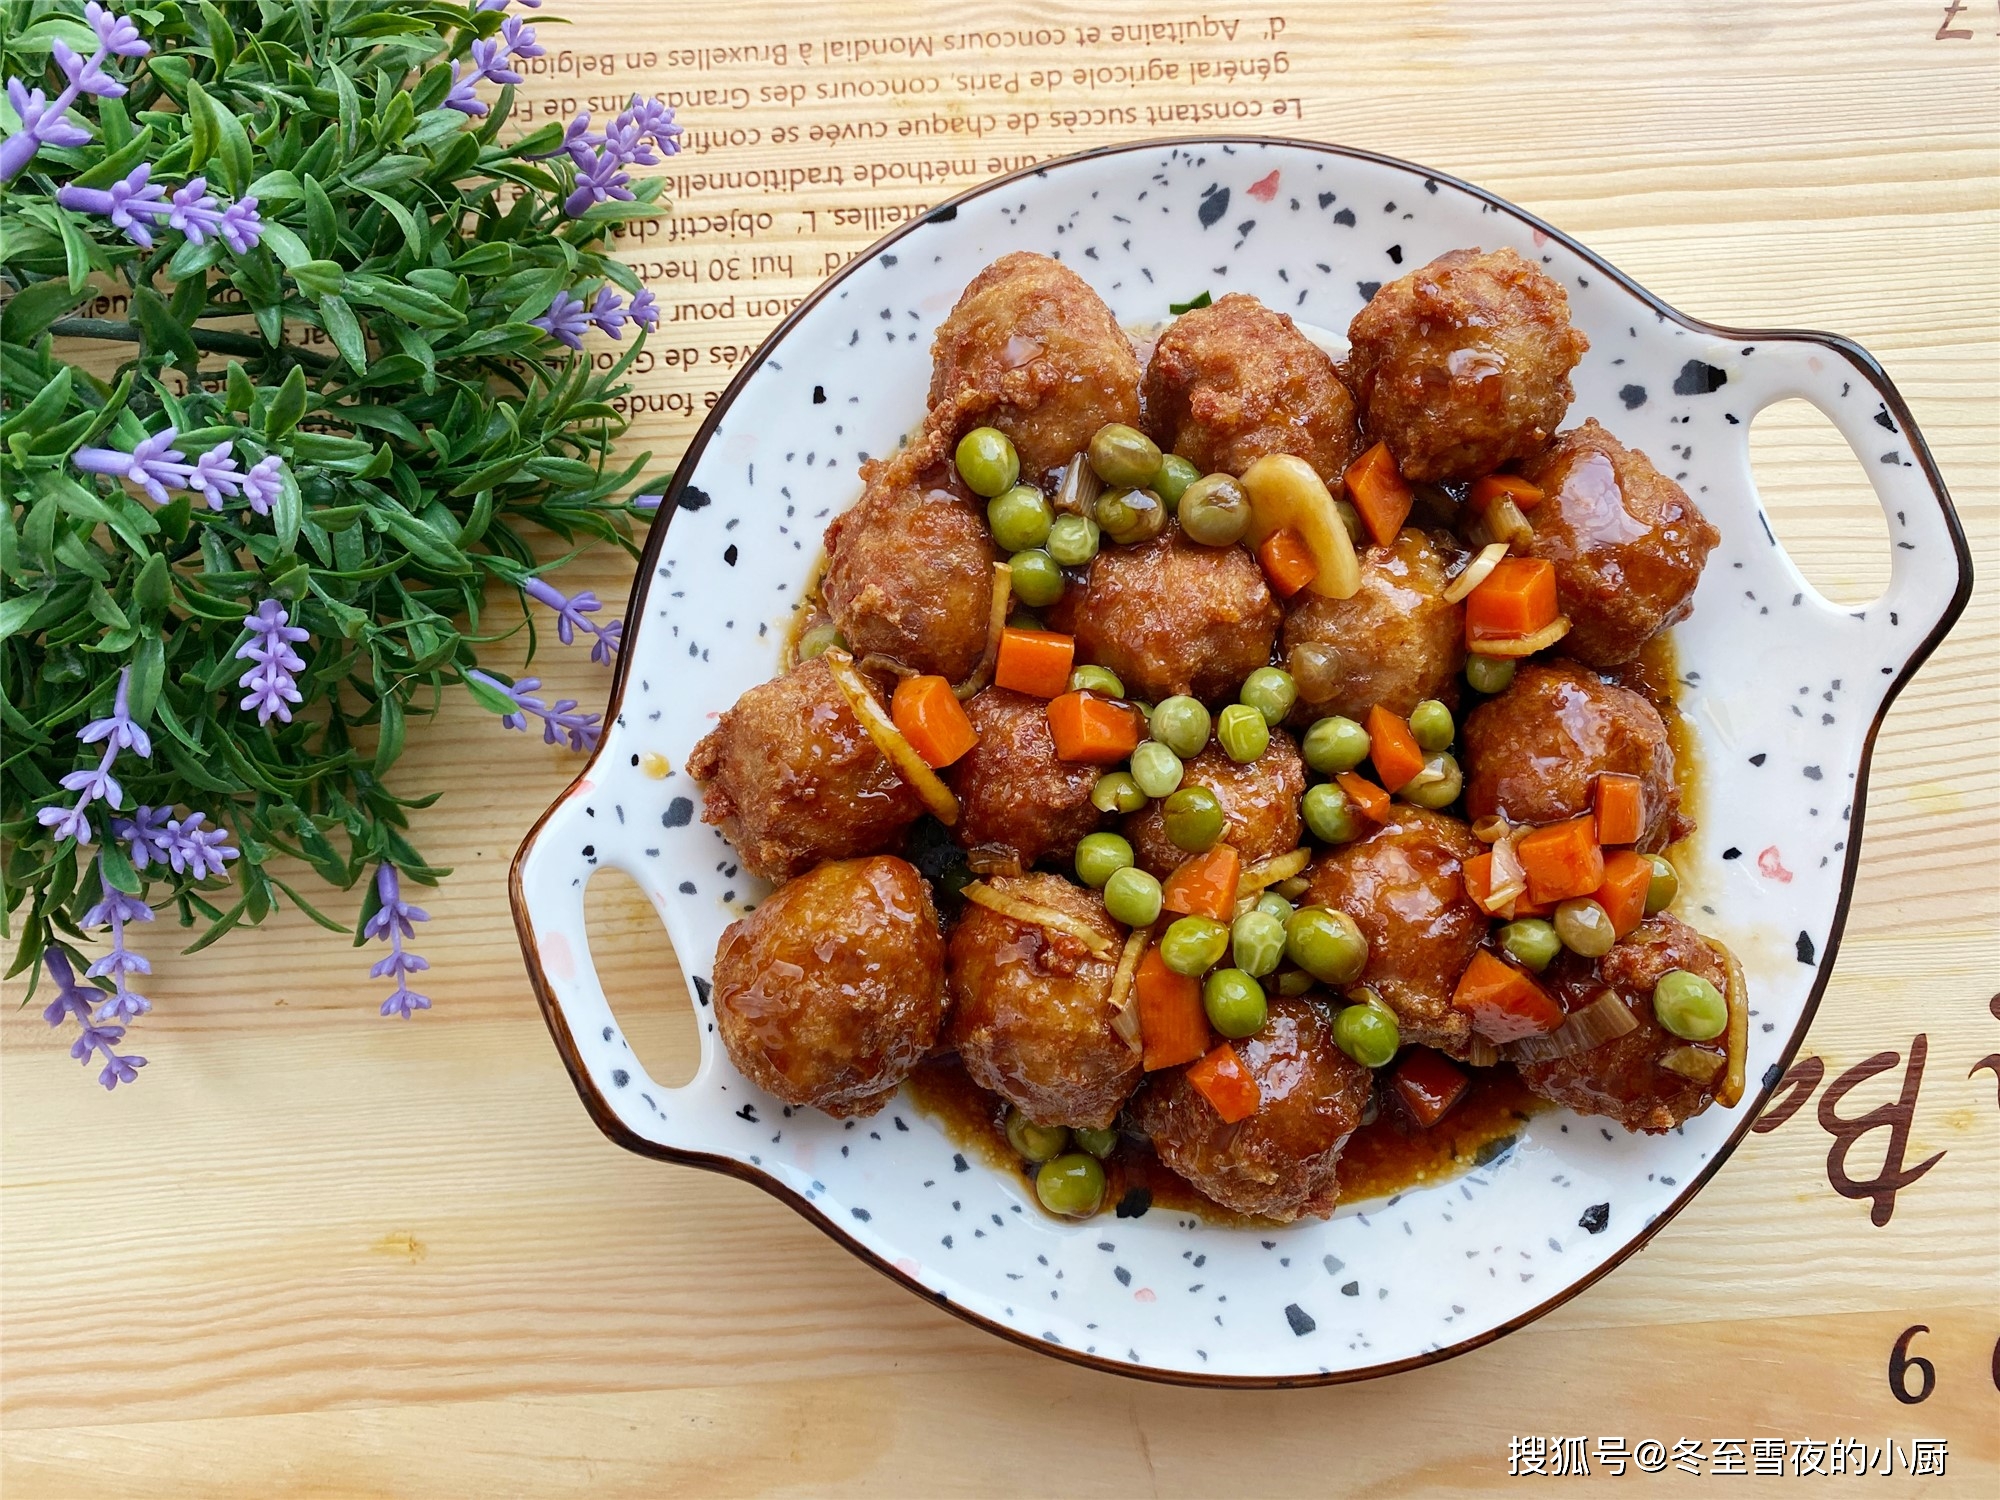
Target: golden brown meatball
1232,383
1014,796
1260,806
1172,616
833,989
791,778
1627,543
1462,367
1532,754
1624,1078
1396,642
1032,350
1282,1161
1031,1008
909,567
1403,886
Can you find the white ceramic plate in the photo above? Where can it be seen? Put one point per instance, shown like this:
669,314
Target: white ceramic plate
1785,691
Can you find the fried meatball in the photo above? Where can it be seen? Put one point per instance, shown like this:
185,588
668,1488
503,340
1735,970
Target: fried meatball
1260,806
1231,383
1031,1007
1462,367
909,568
1532,754
1403,887
1396,642
791,778
1281,1162
1014,795
1032,350
1172,616
833,989
1624,1077
1627,543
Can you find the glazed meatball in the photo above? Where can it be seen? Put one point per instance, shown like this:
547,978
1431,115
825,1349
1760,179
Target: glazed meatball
1260,806
1462,367
1403,887
1031,1007
833,989
1014,796
1172,616
1396,642
1231,383
1032,350
909,567
791,778
1282,1161
1624,1077
1532,754
1627,543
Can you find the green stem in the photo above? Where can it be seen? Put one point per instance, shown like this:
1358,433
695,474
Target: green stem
215,341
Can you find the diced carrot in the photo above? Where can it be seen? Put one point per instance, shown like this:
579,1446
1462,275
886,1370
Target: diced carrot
1619,802
1205,884
1627,877
1035,662
1097,731
1428,1085
1173,1026
1562,860
1287,562
1504,1002
1495,487
931,719
1369,798
1477,875
1517,598
1379,493
1394,750
1224,1082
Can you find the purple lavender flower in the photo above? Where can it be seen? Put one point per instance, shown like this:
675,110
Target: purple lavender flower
609,638
644,310
626,141
41,125
462,95
520,38
68,822
240,227
262,484
153,465
607,311
194,212
647,502
86,75
559,722
654,118
73,1003
132,204
393,920
564,321
577,141
96,783
273,661
201,851
117,726
598,180
489,60
46,124
115,34
571,612
115,910
215,477
145,835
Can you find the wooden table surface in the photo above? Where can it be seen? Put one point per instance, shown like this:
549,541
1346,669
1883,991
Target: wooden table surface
316,1252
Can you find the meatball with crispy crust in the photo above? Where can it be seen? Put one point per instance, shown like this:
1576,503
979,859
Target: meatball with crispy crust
1396,642
1404,887
1462,367
1172,616
1032,350
1031,1007
1627,543
1015,797
791,778
1231,383
833,990
1533,754
1260,806
1282,1162
1625,1078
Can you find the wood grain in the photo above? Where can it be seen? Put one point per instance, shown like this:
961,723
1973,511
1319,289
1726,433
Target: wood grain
320,1253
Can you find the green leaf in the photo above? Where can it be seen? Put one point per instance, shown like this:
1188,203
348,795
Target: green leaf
275,190
149,667
389,171
288,247
117,867
338,319
389,744
322,224
150,589
118,164
487,696
319,278
239,394
104,608
426,543
288,405
16,612
29,312
163,333
1198,300
288,511
41,412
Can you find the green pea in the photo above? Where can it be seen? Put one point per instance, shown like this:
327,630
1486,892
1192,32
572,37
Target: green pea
1132,897
1193,945
1665,885
1234,1002
1019,518
1430,722
1145,708
1532,942
1073,540
1038,582
1271,691
1585,927
987,461
1172,482
1034,1142
1116,791
1194,819
1130,516
1489,674
1351,519
1024,619
1242,733
1257,942
1101,680
1437,785
1294,982
1071,1185
1099,1143
1368,1033
1124,455
1215,511
1330,814
1156,768
1689,1006
1327,944
822,638
1335,744
1099,856
1181,724
1275,905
